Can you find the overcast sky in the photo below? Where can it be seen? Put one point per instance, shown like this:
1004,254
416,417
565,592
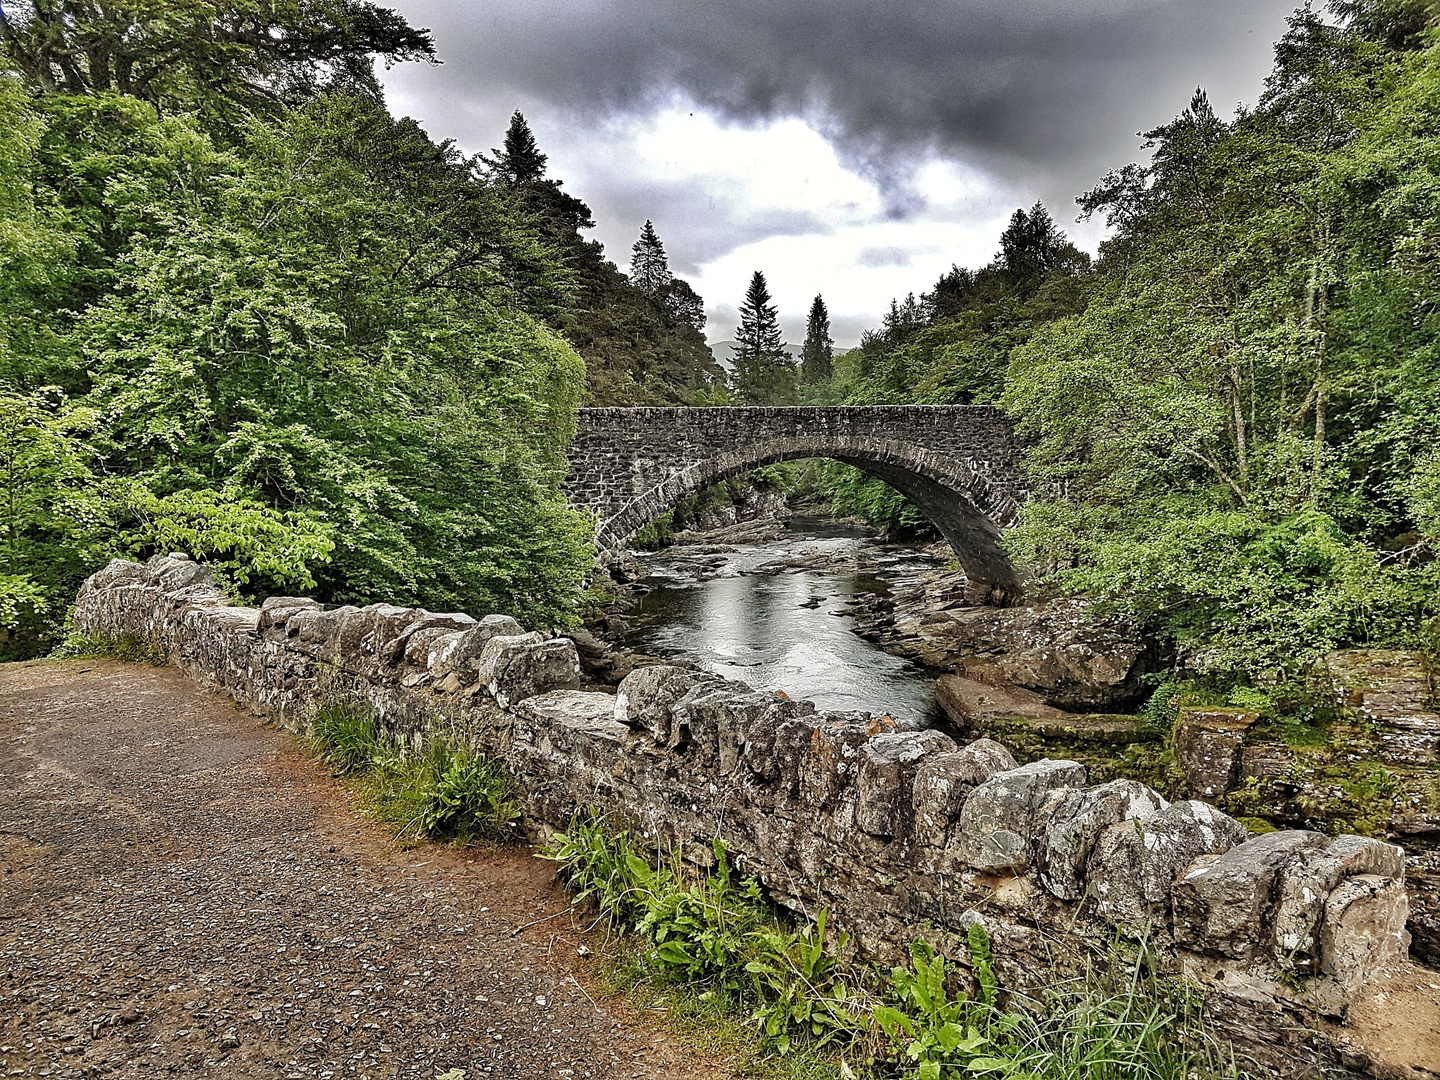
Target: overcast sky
853,148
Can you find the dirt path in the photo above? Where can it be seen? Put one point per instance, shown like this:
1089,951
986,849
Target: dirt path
183,893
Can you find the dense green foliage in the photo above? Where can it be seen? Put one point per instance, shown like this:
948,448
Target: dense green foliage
317,360
1235,411
714,932
223,59
246,313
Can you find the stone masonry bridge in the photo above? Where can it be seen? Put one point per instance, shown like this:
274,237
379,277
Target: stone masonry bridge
959,465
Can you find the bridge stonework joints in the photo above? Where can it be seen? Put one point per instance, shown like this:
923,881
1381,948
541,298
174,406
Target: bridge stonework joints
959,464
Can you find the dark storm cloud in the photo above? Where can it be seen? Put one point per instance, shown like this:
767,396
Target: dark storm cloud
1050,88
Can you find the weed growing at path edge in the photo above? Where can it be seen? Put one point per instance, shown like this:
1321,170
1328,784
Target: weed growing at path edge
448,791
131,648
710,950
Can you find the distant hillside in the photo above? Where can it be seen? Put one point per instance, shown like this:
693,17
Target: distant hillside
724,353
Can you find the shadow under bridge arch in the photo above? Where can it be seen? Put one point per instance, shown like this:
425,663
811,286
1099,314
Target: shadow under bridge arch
969,511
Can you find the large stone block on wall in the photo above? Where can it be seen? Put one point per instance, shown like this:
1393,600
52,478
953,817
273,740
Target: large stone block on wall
1223,906
1363,931
827,767
943,782
515,668
412,645
1135,863
276,611
361,641
1000,819
176,571
317,632
455,657
1074,827
716,717
1305,885
887,767
115,573
645,698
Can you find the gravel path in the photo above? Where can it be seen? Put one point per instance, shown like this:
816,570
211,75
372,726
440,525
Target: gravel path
184,893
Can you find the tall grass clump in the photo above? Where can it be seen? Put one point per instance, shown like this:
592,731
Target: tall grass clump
928,1019
131,648
714,932
446,791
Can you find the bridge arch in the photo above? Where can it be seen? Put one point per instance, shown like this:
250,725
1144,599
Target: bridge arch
631,466
949,493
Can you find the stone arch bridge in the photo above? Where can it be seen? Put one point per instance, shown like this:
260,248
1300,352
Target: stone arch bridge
959,464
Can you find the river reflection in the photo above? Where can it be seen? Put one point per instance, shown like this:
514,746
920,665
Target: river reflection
785,631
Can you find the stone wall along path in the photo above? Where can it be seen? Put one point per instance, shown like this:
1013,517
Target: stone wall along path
900,834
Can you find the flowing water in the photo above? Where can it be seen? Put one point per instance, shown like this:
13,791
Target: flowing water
788,630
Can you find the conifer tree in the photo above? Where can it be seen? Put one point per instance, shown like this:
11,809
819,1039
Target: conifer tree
819,348
649,269
764,373
521,162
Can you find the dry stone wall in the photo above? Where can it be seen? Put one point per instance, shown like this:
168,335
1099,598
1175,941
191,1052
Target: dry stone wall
901,834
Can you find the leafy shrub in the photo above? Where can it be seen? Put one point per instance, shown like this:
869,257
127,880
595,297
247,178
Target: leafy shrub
800,986
447,791
466,795
1125,1023
1121,1023
714,930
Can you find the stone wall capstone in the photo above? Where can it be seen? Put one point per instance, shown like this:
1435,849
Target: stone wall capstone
901,834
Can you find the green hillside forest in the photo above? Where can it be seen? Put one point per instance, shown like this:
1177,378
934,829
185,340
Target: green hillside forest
1235,409
247,313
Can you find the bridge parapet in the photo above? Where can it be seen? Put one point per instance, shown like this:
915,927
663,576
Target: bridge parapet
900,834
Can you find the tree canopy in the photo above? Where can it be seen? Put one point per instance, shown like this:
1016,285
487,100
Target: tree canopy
223,58
316,349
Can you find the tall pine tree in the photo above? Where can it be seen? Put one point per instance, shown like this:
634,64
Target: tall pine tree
521,163
819,348
649,269
764,373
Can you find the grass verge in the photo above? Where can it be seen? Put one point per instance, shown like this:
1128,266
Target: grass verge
128,647
733,976
447,792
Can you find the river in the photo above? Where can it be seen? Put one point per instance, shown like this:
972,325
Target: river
731,613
